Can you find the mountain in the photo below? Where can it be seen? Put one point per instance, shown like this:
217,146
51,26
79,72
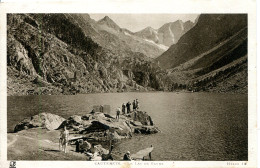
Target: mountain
109,23
166,35
148,33
57,54
212,53
171,32
72,53
109,35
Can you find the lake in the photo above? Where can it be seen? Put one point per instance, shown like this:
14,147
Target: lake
194,126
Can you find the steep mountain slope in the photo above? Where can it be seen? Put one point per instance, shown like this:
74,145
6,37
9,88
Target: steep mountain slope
210,31
51,54
168,34
212,55
109,35
55,53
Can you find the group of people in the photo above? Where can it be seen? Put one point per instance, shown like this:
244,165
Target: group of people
81,145
64,139
126,108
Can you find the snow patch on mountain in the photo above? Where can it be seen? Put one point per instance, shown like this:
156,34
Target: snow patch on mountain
127,34
158,45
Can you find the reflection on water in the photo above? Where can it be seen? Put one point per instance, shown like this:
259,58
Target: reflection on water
195,126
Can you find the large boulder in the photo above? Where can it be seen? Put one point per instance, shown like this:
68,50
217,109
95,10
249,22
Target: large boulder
142,117
99,126
44,120
79,123
101,150
76,122
122,128
99,115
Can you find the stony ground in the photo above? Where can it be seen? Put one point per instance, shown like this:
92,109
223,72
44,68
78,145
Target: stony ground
38,144
37,137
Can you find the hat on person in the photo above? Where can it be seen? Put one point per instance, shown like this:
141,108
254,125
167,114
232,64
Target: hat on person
128,152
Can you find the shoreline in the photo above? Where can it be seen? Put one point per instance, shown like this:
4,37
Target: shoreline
96,128
183,91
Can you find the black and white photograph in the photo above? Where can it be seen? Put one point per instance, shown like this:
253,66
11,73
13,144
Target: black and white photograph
129,88
81,87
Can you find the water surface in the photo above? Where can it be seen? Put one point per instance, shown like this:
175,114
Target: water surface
194,126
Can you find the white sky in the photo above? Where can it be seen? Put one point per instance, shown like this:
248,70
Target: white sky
136,22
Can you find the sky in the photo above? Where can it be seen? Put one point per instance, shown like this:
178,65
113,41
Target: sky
137,22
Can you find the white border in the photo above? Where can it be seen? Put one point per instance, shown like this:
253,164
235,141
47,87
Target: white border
135,6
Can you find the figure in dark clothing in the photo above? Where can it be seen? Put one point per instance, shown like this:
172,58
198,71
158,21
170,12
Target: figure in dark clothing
123,108
127,156
128,105
118,113
101,108
77,146
134,105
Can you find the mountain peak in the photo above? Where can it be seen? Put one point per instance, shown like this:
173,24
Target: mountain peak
106,18
148,29
180,22
188,22
108,22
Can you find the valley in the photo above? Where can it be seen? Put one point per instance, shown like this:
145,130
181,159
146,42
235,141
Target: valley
73,53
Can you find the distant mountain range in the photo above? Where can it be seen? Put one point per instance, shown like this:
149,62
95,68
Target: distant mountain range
109,35
168,34
149,41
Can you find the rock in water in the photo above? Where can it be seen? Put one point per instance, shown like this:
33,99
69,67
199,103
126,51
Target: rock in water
142,117
76,122
146,130
44,120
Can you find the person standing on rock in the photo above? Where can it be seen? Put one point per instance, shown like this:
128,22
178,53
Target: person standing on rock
123,108
101,109
134,105
137,104
118,113
77,143
64,139
128,105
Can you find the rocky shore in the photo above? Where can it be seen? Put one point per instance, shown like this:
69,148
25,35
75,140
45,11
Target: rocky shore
91,135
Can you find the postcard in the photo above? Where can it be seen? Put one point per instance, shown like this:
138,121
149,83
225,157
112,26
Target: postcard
128,84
